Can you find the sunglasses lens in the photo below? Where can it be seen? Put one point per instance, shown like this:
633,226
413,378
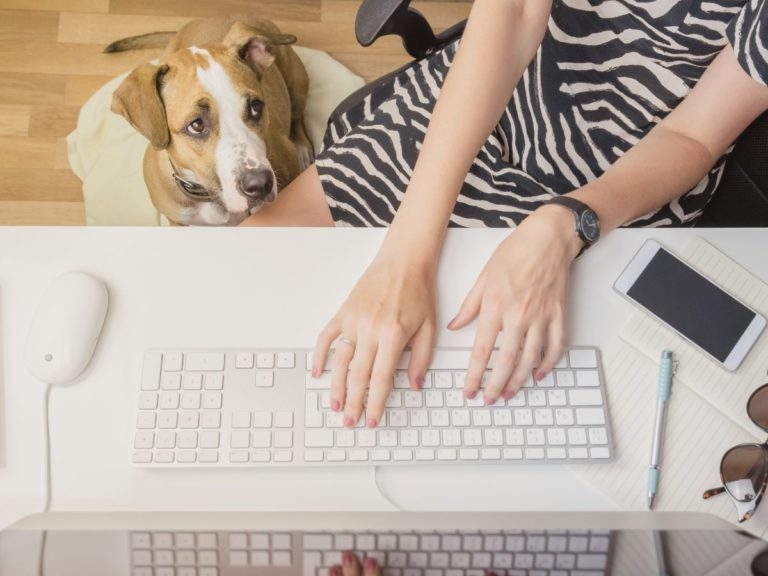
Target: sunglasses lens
757,408
744,470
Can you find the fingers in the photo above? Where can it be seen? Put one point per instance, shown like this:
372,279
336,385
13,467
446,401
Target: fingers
324,341
529,358
470,308
358,378
339,374
350,566
555,346
488,327
504,364
388,353
421,354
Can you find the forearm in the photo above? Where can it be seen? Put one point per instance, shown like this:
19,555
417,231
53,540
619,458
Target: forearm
658,169
499,42
679,152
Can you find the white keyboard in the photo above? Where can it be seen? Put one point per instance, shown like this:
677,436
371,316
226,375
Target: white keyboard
263,408
422,553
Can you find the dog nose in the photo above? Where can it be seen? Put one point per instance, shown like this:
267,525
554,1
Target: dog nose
255,183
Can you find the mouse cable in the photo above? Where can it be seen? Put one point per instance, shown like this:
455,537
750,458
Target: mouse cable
382,492
48,482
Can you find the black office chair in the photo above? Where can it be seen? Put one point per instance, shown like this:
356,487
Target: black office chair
741,198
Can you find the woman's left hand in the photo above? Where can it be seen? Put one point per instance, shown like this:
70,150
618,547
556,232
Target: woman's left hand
521,293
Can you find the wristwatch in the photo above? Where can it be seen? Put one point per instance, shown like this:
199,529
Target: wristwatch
587,222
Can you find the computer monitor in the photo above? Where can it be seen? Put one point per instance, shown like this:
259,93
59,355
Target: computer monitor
469,546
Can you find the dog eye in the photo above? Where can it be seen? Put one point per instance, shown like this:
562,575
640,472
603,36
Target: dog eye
196,127
255,109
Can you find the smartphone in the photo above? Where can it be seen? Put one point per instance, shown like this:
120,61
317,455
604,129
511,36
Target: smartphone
692,305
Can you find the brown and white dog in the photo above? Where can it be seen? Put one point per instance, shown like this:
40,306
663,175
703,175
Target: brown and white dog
223,112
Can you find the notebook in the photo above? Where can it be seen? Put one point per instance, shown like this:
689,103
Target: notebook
707,410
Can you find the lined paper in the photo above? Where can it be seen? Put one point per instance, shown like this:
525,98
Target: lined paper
706,414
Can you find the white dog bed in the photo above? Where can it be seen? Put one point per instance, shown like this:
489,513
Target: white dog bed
107,154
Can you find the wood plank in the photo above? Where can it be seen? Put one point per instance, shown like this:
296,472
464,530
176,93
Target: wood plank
440,14
370,69
301,10
22,88
14,120
106,28
79,88
42,185
61,155
56,5
34,57
52,121
42,214
20,26
24,152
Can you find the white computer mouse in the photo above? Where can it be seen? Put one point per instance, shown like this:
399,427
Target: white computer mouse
66,328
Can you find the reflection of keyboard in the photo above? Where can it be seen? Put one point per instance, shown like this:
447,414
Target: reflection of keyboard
263,408
463,553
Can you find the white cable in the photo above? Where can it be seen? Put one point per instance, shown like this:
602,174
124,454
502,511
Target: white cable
48,482
382,492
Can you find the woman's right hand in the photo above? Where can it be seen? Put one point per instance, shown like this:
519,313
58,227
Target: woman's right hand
392,305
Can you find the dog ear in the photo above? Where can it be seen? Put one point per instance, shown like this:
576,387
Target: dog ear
138,100
252,46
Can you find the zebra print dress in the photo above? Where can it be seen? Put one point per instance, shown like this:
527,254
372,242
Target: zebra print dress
606,73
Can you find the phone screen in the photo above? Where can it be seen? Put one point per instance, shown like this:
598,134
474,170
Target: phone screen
691,304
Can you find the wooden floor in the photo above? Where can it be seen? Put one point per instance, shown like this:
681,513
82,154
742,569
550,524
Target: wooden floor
51,61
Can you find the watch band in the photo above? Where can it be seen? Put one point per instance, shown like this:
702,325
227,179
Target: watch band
580,211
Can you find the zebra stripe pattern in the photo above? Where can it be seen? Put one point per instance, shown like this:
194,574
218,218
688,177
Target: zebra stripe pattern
606,73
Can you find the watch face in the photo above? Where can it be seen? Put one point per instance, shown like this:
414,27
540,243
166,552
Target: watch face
590,225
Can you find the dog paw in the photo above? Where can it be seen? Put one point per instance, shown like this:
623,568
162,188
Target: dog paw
306,155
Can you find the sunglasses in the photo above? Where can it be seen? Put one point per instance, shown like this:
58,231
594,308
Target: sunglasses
744,468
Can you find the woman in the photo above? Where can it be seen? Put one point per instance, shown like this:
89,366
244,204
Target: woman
625,106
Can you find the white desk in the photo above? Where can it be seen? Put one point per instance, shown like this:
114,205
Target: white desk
257,287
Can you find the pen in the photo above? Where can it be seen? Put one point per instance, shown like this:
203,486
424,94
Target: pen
662,397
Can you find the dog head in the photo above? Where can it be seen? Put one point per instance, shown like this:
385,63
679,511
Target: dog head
205,106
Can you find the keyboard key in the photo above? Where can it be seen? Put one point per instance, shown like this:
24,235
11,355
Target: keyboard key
187,439
186,456
564,417
192,382
169,400
442,379
577,436
281,558
284,420
262,419
286,359
265,360
264,379
211,419
598,436
148,401
556,397
145,420
398,418
150,374
259,541
514,437
590,416
261,456
325,542
189,420
591,397
144,440
241,420
599,452
582,358
243,360
283,456
318,438
283,439
240,439
502,418
165,439
261,439
172,361
190,401
213,381
142,457
209,439
171,381
204,362
587,378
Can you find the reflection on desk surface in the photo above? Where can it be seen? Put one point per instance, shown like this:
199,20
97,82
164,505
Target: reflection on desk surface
401,553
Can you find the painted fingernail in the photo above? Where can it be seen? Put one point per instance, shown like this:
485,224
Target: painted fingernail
507,395
335,405
348,422
539,375
470,394
489,400
451,323
346,558
419,382
314,371
334,571
371,564
372,423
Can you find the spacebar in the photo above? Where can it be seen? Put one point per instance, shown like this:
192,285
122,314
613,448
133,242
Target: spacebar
441,360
